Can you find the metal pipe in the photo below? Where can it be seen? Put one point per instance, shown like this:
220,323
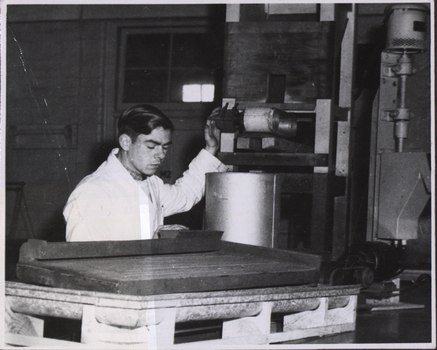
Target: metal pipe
403,90
399,144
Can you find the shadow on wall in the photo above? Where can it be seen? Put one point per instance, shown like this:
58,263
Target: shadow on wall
194,217
53,229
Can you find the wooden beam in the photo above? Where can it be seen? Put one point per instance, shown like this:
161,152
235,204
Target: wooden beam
232,12
274,159
324,132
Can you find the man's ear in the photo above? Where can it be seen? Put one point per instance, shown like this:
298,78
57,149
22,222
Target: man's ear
125,142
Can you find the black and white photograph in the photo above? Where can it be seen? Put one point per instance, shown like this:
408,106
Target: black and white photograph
225,175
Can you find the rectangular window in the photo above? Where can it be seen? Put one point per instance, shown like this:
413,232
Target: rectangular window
168,65
198,93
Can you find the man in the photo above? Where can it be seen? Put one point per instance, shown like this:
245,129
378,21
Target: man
123,199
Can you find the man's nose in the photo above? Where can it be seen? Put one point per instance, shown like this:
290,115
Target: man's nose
160,153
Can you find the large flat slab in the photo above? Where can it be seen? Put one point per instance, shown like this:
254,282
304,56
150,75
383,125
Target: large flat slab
232,266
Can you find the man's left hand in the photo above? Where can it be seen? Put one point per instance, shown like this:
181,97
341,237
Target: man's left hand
212,137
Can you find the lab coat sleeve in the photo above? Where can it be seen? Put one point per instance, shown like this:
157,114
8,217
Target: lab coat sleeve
190,188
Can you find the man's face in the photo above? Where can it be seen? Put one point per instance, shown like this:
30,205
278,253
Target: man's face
145,155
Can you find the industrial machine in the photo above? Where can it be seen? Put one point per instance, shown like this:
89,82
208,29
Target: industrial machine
290,126
399,182
401,178
267,128
280,119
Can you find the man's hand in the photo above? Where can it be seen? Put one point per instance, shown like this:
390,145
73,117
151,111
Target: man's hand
175,227
212,135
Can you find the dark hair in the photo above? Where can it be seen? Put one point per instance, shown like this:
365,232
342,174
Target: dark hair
142,119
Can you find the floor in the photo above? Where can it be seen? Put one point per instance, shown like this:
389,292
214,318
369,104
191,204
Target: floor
407,326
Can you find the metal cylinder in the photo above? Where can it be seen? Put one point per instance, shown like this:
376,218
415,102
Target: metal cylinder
257,119
286,123
406,28
271,120
401,133
245,206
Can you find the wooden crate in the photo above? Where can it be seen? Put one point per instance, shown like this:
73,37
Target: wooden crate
247,316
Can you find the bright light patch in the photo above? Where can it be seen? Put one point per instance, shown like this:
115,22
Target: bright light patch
207,93
191,93
198,93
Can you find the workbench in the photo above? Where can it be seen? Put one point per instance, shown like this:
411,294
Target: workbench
137,293
149,321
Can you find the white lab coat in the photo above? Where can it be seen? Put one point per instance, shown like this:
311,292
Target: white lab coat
109,205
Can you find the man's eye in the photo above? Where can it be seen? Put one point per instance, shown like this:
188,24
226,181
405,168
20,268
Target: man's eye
151,146
165,148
